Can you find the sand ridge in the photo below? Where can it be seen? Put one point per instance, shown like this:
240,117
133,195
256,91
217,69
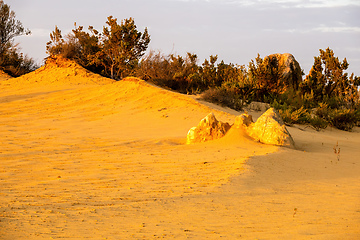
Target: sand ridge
86,157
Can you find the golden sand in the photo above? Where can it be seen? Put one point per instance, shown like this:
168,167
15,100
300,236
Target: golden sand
84,157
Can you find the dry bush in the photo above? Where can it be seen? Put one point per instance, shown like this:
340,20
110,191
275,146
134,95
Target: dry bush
224,97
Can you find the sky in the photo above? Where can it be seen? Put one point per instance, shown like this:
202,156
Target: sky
235,30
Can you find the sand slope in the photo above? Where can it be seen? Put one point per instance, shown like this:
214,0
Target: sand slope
86,157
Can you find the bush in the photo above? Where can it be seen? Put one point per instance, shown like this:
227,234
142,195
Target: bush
290,114
293,116
12,61
15,63
178,73
344,119
224,97
317,122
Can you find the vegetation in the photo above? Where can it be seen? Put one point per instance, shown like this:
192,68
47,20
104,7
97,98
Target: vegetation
114,53
183,74
174,72
327,95
11,60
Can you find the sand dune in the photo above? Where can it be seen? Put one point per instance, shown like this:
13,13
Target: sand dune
86,157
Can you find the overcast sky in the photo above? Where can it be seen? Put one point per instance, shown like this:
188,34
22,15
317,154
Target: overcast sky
235,30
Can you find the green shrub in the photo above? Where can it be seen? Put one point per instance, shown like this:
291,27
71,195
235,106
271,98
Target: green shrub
344,119
317,122
294,116
290,114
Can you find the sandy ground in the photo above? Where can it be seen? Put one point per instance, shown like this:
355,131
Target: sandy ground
83,157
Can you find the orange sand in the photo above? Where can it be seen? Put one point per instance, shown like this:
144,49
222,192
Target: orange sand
85,157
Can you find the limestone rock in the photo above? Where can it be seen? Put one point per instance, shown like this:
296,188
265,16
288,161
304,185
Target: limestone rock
291,73
257,106
270,129
208,129
243,121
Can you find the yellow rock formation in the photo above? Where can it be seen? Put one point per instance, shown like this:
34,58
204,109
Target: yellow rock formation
208,129
268,129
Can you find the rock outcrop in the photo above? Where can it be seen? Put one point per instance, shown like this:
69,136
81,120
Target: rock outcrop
257,106
208,129
268,129
243,121
290,70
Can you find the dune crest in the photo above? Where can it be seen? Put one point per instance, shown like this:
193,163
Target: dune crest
59,71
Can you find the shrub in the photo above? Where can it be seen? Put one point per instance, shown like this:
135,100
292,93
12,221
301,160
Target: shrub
344,119
291,114
294,116
224,97
12,61
178,73
317,122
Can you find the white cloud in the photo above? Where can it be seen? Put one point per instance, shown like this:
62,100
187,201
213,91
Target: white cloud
321,29
338,29
326,29
327,3
287,3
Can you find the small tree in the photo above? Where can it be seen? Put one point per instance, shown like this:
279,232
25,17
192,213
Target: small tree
123,46
87,45
155,67
9,27
208,72
267,74
80,46
11,60
56,44
115,53
327,79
